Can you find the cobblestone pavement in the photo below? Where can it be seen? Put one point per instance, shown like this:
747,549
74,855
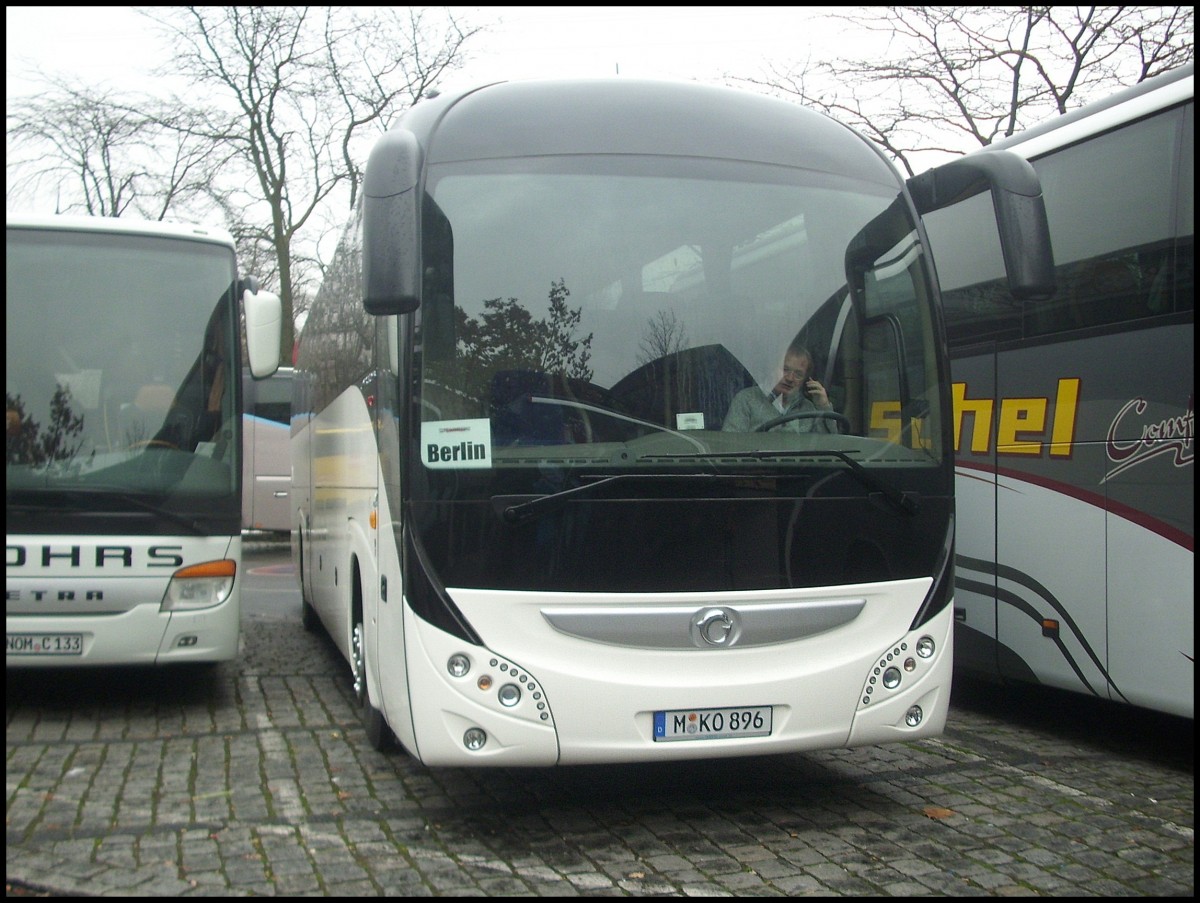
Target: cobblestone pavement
256,778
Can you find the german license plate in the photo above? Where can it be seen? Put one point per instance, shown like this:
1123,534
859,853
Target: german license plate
43,644
712,724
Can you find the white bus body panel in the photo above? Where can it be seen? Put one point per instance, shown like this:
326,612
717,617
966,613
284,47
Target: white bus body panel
1058,540
1143,569
600,698
117,608
344,474
1075,548
1111,584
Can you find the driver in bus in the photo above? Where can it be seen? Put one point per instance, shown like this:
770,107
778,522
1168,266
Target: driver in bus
796,391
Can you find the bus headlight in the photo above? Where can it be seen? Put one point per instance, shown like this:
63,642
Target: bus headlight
199,586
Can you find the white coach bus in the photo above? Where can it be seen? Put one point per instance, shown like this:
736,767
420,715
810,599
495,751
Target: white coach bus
1074,419
518,514
123,440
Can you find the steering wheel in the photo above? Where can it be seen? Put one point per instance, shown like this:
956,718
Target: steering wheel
841,419
158,443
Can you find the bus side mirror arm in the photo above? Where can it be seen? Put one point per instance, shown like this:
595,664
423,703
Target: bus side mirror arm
1019,207
391,255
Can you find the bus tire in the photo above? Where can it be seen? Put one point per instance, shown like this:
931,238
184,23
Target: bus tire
379,735
308,617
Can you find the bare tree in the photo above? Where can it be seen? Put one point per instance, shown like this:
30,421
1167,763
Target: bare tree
950,78
103,155
664,334
292,93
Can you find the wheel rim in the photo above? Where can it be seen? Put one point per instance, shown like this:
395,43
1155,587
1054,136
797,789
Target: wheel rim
358,666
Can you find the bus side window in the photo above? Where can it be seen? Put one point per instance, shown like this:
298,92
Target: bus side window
1105,290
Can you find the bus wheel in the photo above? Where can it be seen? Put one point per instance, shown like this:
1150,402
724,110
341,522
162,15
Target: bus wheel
379,735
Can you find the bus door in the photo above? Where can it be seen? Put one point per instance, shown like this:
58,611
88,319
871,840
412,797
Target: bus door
1050,522
975,525
266,464
389,648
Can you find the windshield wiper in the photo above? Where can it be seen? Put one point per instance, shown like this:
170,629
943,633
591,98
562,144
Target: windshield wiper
519,512
905,502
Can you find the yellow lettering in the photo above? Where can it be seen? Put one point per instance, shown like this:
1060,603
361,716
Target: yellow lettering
1066,409
981,411
885,417
1020,415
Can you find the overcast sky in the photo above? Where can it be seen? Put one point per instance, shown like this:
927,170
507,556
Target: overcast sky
115,46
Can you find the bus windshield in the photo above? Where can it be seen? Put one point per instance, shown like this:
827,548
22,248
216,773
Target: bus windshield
119,380
587,312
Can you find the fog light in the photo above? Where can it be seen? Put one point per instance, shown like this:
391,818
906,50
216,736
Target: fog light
188,640
474,738
910,664
484,682
925,646
510,695
458,665
891,678
913,716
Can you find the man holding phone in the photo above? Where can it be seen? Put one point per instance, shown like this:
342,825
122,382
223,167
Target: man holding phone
795,391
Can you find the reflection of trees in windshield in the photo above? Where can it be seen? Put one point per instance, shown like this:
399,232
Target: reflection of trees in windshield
663,335
506,337
28,444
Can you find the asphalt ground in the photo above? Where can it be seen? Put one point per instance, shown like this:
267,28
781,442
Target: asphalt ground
256,778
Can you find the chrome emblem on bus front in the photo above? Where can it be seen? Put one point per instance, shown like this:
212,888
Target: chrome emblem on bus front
715,627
